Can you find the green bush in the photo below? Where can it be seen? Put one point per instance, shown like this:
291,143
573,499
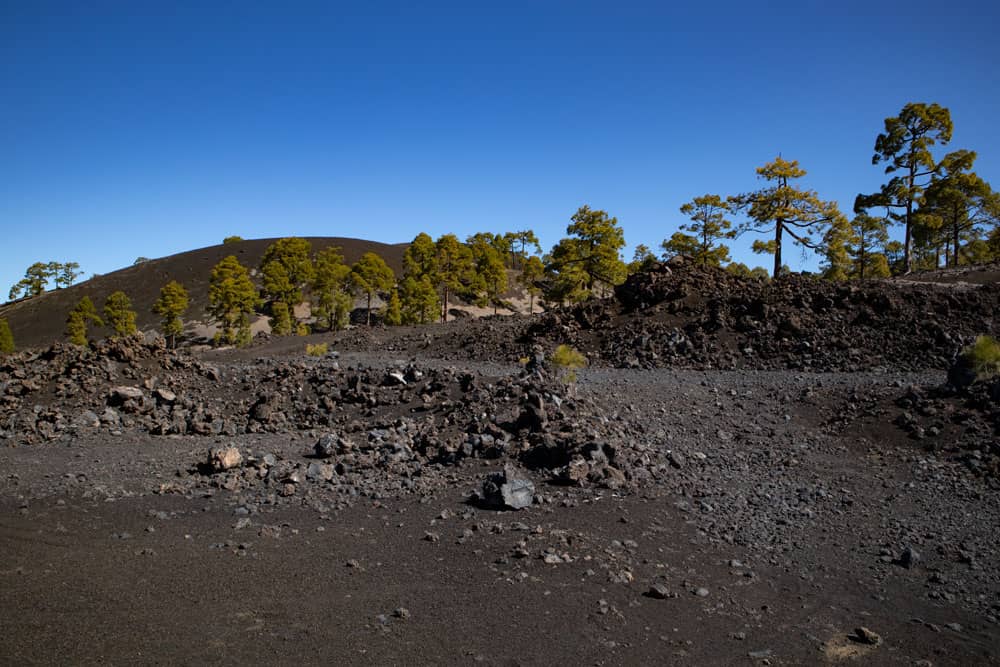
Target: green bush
566,361
317,350
983,357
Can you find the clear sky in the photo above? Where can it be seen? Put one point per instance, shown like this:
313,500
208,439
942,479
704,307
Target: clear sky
134,129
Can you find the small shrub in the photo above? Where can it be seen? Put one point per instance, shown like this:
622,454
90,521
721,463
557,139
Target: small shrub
317,350
302,329
566,361
983,357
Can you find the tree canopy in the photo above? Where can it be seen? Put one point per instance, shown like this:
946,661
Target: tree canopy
83,313
171,305
905,145
708,226
286,267
781,209
372,276
588,261
118,313
232,298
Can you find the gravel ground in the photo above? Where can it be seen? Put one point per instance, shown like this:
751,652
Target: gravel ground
760,517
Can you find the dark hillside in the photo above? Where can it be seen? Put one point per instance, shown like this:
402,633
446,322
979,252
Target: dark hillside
41,320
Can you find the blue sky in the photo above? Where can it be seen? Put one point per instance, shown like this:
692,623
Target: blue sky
144,129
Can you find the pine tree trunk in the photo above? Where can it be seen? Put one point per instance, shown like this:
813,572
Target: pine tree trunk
955,246
369,309
778,228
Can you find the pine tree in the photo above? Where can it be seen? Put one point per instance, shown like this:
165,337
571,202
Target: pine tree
532,271
587,262
6,337
835,244
959,203
868,235
906,146
455,270
489,275
783,209
83,313
420,258
119,314
372,276
35,280
76,329
232,298
330,288
66,274
394,310
708,226
281,321
286,268
171,305
419,300
518,243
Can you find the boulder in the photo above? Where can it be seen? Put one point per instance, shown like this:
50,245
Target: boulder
506,490
221,459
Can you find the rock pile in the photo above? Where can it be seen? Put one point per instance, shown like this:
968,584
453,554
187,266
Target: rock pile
689,316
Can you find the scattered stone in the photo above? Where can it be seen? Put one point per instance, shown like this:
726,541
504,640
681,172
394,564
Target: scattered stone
909,558
221,459
506,490
660,591
863,635
118,395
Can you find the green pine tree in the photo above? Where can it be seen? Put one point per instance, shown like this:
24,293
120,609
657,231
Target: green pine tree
372,276
173,303
784,210
119,314
232,298
83,314
394,310
281,321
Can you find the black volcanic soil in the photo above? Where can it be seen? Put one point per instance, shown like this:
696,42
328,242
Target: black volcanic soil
42,320
690,506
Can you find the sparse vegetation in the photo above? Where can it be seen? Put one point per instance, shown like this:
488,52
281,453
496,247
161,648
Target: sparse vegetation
285,269
231,239
316,349
394,310
566,360
83,314
173,303
331,289
281,321
6,337
119,315
232,299
983,357
586,263
37,277
372,276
